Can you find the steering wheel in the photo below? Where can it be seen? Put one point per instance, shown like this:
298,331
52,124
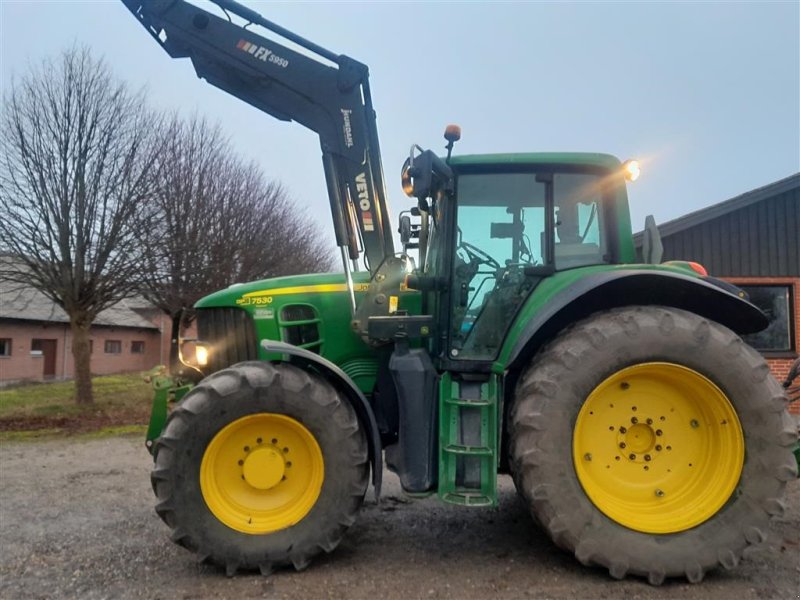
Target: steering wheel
478,255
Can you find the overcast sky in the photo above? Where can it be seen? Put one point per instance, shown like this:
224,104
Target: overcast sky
707,95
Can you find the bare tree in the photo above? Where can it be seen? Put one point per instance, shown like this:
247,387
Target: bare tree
219,222
76,169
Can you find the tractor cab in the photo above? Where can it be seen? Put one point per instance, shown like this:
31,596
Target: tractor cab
501,225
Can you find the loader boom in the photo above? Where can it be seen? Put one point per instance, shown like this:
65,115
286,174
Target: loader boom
326,92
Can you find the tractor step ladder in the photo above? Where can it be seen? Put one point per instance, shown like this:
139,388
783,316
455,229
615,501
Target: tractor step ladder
468,436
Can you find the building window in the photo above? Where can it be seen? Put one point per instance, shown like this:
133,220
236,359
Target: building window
137,347
5,346
113,347
777,303
91,346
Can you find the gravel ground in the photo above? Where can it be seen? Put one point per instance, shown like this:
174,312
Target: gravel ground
77,521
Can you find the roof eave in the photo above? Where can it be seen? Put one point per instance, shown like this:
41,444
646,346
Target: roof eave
722,208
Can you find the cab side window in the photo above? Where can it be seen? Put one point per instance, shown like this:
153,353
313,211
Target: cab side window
578,220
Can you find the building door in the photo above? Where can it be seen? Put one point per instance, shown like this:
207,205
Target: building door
48,350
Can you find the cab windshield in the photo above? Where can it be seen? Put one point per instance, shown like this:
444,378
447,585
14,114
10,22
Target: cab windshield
507,225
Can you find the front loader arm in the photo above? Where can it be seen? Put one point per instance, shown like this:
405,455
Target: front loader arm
331,99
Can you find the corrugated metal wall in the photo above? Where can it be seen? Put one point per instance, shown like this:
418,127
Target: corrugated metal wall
761,240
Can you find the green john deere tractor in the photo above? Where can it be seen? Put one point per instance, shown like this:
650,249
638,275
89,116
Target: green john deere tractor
520,338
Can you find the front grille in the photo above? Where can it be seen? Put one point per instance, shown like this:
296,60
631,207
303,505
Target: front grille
230,334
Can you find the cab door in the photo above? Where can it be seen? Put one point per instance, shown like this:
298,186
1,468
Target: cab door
511,230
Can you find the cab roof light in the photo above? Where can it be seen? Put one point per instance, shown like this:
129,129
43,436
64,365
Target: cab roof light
631,169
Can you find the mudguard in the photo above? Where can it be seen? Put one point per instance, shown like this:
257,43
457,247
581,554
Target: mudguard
339,379
627,287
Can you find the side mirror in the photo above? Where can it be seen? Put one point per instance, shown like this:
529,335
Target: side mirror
417,176
405,178
405,230
652,248
424,173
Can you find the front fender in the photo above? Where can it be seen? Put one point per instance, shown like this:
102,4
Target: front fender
611,289
339,379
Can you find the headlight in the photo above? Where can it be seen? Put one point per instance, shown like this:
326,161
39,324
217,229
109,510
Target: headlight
201,355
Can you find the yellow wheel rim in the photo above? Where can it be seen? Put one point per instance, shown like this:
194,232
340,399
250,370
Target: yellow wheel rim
658,448
262,473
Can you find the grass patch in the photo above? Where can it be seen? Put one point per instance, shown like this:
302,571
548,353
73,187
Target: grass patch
119,400
51,433
34,434
110,392
137,430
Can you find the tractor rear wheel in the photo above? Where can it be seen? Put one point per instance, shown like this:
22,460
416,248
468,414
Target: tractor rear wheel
652,442
260,466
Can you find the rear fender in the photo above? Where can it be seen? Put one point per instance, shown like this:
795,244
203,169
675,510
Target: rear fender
613,289
338,379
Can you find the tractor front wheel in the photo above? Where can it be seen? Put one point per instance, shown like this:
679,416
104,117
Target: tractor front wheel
653,442
260,466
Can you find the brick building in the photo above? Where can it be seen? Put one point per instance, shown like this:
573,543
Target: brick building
753,241
36,342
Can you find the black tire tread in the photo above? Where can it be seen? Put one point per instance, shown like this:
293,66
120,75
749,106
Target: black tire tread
574,527
255,377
